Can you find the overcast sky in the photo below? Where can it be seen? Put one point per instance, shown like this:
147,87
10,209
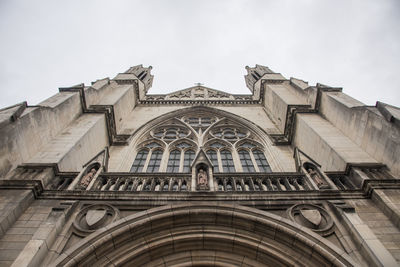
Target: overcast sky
50,44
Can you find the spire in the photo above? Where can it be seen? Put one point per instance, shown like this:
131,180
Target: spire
255,74
142,74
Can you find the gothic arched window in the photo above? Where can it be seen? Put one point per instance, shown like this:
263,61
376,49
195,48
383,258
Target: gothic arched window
231,145
155,161
227,161
212,155
252,158
245,159
140,160
188,158
261,161
174,160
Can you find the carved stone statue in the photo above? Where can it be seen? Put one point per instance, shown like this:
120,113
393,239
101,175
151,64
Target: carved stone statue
202,178
85,181
316,177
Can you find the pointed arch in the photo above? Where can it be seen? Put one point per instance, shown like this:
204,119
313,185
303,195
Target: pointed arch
272,154
231,234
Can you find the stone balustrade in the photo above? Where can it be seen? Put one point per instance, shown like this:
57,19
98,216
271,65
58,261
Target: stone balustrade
271,182
164,182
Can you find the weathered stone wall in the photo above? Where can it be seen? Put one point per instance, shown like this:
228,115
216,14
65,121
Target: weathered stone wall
323,142
77,144
365,126
22,139
277,98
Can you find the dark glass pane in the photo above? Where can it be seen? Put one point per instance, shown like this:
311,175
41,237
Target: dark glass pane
139,162
227,161
214,159
174,160
155,160
261,161
245,159
187,160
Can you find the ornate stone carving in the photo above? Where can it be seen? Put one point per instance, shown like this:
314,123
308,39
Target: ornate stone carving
216,94
85,181
316,177
313,217
202,179
94,217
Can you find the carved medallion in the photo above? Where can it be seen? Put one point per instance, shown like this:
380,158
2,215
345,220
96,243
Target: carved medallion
94,217
313,217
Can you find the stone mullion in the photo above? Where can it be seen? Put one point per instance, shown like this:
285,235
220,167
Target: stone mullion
220,168
164,160
236,161
181,161
254,161
146,164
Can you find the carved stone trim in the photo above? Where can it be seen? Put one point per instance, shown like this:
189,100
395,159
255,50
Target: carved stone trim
94,217
312,217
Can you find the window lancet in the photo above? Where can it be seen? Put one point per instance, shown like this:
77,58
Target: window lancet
155,161
174,160
246,161
212,155
261,161
140,160
188,158
227,161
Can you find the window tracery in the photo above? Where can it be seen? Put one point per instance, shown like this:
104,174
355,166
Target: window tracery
170,133
230,146
229,134
200,123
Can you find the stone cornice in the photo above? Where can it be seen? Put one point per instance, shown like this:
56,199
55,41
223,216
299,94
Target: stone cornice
198,102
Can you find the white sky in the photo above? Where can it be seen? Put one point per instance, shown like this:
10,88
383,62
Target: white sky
49,44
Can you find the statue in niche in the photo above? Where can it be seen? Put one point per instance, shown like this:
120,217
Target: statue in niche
85,181
316,177
202,178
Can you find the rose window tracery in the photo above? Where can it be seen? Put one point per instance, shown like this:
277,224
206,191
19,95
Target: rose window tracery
171,133
229,133
200,122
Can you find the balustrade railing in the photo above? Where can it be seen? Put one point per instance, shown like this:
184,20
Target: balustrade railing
258,182
142,183
223,182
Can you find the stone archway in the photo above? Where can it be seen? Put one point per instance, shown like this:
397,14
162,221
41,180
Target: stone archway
200,234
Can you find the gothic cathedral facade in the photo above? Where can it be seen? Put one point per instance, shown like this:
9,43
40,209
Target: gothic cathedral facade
110,175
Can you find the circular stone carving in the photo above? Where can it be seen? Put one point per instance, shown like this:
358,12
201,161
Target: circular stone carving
94,217
313,217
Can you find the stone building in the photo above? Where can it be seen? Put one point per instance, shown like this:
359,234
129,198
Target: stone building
110,175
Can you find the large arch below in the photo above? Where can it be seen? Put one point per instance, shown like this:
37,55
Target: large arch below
199,234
